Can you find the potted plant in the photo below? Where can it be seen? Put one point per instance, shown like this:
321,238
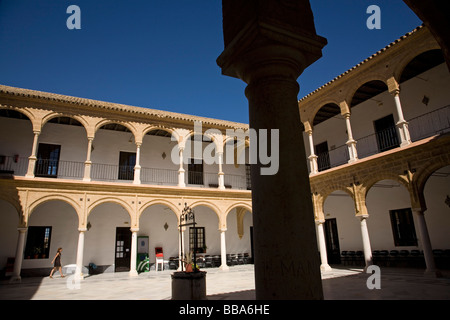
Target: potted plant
36,252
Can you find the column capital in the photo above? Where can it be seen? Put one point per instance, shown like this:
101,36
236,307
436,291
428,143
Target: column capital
265,39
82,229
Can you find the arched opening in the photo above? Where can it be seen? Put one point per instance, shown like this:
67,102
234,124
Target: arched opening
330,149
206,234
236,164
159,223
62,149
16,141
326,112
157,167
421,63
367,91
392,224
239,236
437,215
200,155
108,239
113,153
341,229
51,225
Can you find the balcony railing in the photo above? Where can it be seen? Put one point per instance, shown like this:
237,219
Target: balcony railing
63,169
421,127
13,165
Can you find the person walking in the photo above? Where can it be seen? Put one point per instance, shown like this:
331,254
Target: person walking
57,263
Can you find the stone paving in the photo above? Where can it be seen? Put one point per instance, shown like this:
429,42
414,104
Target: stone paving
235,284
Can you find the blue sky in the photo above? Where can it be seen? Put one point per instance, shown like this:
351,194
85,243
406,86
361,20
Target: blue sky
162,54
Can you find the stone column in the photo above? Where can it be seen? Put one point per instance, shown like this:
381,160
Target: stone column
137,167
32,159
181,171
133,271
221,175
402,125
223,251
366,241
80,252
268,44
312,157
426,243
322,246
19,255
88,162
351,143
181,249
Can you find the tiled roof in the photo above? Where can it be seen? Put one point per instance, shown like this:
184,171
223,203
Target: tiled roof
365,61
153,113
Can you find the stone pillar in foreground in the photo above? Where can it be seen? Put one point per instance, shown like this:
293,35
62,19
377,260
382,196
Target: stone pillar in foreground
268,44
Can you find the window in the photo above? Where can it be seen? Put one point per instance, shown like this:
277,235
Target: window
195,171
197,233
127,161
38,242
403,227
47,160
386,133
323,156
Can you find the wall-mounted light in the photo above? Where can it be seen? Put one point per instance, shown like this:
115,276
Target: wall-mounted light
88,226
166,226
163,155
425,100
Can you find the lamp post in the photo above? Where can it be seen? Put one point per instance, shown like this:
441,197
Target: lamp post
187,215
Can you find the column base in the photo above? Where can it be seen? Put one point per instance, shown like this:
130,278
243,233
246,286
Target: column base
224,267
325,268
133,273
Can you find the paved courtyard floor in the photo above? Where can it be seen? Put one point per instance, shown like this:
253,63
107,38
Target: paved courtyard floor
235,284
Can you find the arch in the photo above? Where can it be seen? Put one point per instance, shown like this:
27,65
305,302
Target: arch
13,201
211,206
371,180
105,122
367,90
172,132
422,61
421,178
23,112
325,112
118,201
53,197
54,115
163,202
327,193
212,138
237,205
